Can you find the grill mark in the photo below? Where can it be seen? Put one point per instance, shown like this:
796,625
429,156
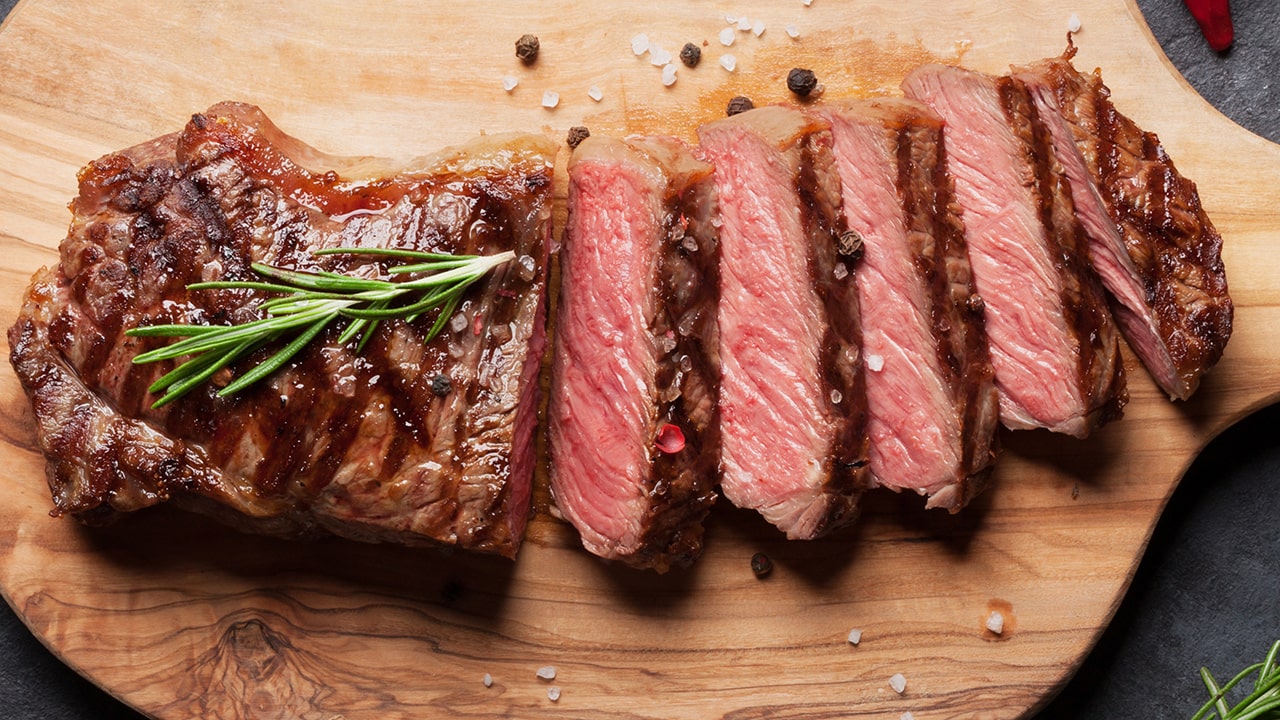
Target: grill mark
972,362
1085,315
1167,234
680,484
957,328
920,213
841,361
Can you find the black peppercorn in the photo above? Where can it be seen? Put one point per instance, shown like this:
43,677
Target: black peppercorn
739,104
801,81
850,244
761,565
690,55
441,385
577,134
527,49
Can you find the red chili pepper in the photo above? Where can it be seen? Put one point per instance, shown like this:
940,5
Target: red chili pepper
1214,17
670,439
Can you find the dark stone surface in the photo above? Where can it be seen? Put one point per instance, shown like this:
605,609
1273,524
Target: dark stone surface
1208,590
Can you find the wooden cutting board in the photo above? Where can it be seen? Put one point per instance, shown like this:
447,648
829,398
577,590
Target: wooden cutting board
181,618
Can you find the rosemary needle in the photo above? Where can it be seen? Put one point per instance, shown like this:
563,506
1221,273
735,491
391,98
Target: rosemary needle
1261,704
308,302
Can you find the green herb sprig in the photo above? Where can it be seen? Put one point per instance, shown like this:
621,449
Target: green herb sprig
1261,704
311,301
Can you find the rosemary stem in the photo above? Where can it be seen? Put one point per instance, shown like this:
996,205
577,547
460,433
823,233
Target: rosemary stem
308,303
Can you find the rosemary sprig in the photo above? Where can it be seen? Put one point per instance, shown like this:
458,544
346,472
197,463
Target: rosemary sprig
1261,704
309,302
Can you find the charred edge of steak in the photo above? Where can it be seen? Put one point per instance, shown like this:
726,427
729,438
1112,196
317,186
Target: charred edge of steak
841,361
929,205
1170,237
1101,370
688,381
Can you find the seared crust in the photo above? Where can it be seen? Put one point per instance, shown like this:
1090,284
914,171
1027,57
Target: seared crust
355,444
636,350
1175,249
1100,375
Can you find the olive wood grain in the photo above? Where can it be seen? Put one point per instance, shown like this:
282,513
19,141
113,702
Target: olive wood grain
181,618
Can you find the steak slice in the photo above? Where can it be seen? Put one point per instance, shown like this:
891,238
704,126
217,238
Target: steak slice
1152,242
792,401
933,408
1053,345
632,415
411,442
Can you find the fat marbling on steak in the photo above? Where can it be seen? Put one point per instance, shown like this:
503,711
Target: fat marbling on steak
406,441
632,414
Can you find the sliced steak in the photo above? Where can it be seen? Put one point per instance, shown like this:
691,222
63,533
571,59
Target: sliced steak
1053,343
632,415
407,441
792,402
1152,243
932,402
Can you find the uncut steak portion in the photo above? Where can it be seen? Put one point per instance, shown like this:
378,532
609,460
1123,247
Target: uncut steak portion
1162,257
632,414
406,441
1053,344
932,402
792,401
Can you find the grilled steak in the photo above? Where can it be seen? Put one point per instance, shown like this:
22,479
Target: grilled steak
933,409
1152,243
1053,345
632,418
407,441
792,402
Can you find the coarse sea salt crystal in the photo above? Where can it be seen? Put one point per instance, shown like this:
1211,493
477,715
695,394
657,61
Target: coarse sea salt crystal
793,32
550,99
855,636
841,271
731,19
488,680
658,56
640,44
995,622
727,36
898,682
547,672
1073,23
509,83
807,3
669,74
875,363
757,28
728,62
744,23
553,693
594,93
907,716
